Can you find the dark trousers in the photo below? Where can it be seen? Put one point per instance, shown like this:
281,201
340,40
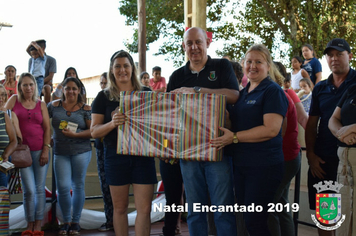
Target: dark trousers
108,207
257,185
173,188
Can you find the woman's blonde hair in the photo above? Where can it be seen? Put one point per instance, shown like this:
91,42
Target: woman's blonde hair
273,71
19,90
112,89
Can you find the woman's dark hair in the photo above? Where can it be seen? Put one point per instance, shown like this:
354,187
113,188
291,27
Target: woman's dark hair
238,70
287,78
70,68
298,58
310,48
144,73
79,85
12,67
76,73
105,75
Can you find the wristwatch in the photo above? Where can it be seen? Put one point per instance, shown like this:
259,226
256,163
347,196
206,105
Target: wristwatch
197,89
235,140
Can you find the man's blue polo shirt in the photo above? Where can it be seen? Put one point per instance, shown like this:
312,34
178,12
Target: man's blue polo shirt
217,73
325,98
247,113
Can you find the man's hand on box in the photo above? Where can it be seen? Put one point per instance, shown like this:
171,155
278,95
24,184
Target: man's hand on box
184,90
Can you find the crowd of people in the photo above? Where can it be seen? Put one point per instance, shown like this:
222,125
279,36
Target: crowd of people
260,138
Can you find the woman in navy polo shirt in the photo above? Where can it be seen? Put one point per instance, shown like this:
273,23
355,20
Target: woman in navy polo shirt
311,64
256,121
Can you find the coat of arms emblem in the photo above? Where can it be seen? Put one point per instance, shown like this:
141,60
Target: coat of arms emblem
328,206
212,76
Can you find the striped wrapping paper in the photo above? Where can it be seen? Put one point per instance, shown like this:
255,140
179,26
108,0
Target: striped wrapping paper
168,125
4,211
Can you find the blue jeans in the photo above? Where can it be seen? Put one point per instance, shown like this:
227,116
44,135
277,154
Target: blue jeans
33,182
257,185
70,173
209,178
105,189
40,84
3,179
281,223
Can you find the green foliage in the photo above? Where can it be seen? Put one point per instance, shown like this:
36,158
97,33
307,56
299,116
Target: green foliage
164,19
282,25
296,22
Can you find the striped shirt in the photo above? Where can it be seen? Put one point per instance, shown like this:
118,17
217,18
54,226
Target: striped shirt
4,138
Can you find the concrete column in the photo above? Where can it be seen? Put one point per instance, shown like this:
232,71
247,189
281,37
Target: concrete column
195,13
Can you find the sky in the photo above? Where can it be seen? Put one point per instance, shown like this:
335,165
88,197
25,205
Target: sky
81,34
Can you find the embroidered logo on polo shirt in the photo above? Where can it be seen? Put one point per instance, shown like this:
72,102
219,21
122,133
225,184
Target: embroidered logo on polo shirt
212,76
251,102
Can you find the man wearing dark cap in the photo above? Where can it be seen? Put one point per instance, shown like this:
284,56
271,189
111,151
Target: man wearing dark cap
321,144
50,70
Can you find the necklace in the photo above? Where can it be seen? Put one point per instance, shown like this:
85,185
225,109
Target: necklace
69,111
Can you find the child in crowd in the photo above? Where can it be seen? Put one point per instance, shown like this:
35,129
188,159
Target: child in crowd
158,83
298,73
145,79
38,62
305,93
287,82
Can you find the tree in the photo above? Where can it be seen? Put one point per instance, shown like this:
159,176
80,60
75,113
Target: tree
165,20
294,22
283,25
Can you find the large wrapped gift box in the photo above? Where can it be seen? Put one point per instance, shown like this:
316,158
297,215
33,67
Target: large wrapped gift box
167,125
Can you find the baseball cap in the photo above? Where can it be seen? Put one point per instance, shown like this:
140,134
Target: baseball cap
338,44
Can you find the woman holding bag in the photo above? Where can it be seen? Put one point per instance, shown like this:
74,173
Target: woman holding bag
34,124
8,140
8,144
11,114
14,184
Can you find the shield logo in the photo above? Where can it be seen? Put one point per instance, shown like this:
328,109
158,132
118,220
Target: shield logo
212,76
328,208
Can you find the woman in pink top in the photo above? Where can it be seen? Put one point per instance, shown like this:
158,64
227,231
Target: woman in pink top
35,128
10,82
